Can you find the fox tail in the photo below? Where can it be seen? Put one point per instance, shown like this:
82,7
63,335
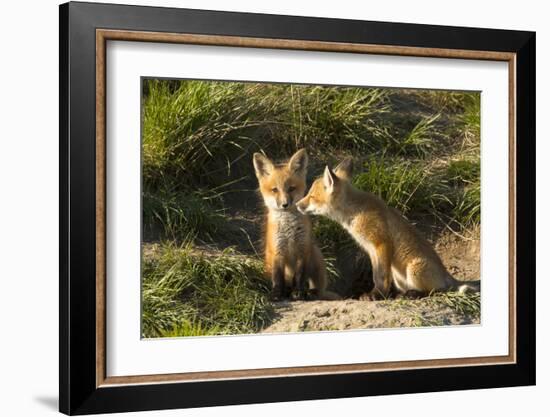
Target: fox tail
467,287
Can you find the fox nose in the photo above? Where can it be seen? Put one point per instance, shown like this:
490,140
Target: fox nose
284,205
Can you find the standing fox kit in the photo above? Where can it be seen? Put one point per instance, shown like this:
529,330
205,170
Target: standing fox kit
399,255
291,256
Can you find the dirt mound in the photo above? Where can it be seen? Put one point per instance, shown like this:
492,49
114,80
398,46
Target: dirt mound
303,316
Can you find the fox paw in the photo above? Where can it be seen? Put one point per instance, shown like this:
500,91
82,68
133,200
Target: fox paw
313,294
277,294
299,295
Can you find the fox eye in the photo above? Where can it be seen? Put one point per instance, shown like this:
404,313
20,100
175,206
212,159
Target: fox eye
291,188
274,189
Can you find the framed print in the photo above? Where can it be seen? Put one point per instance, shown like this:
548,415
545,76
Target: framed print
259,208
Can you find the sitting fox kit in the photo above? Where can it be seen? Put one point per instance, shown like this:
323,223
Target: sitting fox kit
292,259
398,253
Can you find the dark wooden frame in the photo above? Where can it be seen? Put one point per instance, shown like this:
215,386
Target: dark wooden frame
84,29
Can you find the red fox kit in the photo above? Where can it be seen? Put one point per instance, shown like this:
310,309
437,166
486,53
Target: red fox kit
291,256
398,253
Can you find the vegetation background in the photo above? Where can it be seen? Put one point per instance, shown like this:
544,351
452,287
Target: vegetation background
202,271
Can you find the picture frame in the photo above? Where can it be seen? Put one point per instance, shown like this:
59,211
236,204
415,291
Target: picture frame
85,30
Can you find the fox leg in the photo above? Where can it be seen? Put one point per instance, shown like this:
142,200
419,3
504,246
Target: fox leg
278,280
299,281
381,272
317,274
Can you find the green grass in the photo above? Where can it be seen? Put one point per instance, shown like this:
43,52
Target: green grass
468,304
184,127
470,118
187,292
189,328
341,118
182,215
463,171
450,101
466,209
419,141
404,184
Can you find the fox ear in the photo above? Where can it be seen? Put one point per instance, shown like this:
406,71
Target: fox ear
344,169
329,179
262,165
298,162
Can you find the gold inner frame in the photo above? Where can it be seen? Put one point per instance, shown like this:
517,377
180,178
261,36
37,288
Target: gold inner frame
103,35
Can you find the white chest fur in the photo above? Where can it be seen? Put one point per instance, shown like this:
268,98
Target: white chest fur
290,231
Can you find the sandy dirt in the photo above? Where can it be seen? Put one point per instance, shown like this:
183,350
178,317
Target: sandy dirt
300,316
